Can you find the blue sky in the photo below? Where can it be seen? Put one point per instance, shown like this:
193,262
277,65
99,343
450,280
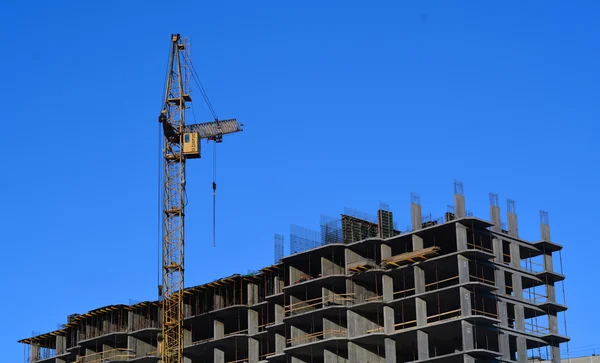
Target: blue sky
344,106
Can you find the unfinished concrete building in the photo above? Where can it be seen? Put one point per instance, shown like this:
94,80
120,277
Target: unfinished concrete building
456,289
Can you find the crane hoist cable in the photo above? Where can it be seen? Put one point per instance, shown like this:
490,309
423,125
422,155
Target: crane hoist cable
214,186
214,114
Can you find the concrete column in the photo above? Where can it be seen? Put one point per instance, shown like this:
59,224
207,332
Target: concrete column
219,356
61,344
279,343
422,337
417,242
252,290
387,285
504,344
522,349
295,274
358,354
421,311
296,332
331,329
463,269
551,292
513,226
187,341
139,347
297,360
277,288
327,267
515,255
500,281
422,345
390,350
468,359
34,352
359,325
461,237
553,323
555,351
465,302
517,283
520,317
350,257
495,213
331,357
416,217
419,279
130,321
498,249
279,313
459,206
545,228
467,335
218,329
253,350
105,325
253,344
503,313
218,300
548,264
386,251
388,320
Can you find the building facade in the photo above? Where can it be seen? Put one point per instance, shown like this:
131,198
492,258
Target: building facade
458,289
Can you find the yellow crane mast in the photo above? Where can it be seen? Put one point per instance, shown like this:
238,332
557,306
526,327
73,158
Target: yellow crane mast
180,143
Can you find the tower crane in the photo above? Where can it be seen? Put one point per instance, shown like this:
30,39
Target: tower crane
180,143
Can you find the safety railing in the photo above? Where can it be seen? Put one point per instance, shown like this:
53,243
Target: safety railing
480,248
476,278
535,329
112,354
304,306
312,337
534,267
441,283
484,313
534,297
447,315
404,293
